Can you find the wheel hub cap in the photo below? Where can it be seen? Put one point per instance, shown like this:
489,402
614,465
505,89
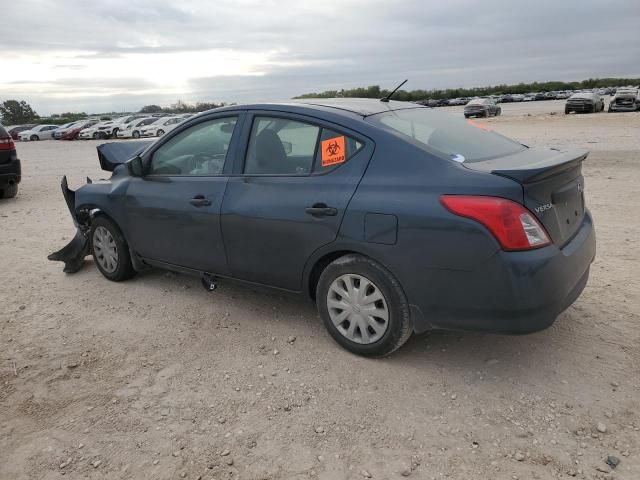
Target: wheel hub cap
358,309
105,249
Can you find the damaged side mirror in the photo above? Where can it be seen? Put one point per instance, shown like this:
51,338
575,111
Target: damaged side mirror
135,167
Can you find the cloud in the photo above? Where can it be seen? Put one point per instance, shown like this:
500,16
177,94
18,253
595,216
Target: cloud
133,52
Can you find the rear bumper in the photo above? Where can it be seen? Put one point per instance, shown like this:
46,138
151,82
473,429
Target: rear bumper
513,292
10,173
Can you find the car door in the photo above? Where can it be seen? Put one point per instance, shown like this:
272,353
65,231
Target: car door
173,210
294,181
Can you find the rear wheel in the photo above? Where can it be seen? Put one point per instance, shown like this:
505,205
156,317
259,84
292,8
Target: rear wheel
363,306
110,250
9,191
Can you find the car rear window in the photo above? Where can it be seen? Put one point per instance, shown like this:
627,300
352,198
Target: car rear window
446,136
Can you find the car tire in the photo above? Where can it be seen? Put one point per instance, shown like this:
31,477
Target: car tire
9,191
135,134
389,300
110,250
566,111
34,138
498,112
96,136
159,133
114,133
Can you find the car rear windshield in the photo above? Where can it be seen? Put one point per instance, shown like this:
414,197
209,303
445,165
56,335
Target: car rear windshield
446,136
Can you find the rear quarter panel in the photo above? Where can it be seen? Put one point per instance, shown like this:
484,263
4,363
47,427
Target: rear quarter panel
406,182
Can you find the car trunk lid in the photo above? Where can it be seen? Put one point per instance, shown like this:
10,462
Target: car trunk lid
552,183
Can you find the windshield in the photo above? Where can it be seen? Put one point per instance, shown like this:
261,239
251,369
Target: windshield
446,136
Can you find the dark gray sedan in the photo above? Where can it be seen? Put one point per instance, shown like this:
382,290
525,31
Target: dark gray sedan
393,218
482,107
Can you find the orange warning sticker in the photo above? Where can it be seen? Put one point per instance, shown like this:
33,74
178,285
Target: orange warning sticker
481,126
333,151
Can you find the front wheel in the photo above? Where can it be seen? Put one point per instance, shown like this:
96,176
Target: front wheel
159,133
35,138
363,306
115,133
567,111
135,134
110,250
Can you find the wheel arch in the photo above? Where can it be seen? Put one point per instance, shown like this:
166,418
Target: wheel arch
322,259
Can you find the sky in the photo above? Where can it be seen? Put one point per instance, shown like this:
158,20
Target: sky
120,55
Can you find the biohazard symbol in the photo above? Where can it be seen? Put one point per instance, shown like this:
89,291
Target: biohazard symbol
333,151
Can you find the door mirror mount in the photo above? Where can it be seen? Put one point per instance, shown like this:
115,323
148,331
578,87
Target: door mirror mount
135,167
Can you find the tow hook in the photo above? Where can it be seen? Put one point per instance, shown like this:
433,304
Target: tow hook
209,282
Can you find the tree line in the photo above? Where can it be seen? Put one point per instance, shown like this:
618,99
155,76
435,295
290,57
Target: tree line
375,91
19,112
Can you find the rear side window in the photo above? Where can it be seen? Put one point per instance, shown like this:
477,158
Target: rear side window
446,136
334,149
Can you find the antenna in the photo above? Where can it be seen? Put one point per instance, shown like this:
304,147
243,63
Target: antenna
388,97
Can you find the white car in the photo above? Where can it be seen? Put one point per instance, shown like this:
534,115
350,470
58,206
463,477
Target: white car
160,127
132,129
122,122
98,131
40,132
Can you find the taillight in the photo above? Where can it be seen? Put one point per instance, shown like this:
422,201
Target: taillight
514,226
7,144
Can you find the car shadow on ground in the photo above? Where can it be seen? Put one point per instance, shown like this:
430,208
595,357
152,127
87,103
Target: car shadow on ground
531,358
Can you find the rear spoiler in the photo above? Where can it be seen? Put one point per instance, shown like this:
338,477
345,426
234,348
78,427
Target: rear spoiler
532,164
113,154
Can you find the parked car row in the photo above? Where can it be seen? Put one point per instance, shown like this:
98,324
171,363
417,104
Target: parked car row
529,97
130,126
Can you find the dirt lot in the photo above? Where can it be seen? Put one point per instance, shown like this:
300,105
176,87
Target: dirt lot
155,378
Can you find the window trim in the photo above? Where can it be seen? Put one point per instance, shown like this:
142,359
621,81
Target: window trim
321,124
178,130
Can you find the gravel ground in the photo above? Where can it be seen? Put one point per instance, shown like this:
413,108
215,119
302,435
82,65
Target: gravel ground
155,378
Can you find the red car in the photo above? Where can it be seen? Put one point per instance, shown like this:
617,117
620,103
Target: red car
72,134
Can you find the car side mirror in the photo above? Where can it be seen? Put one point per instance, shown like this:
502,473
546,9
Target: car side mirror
135,167
288,147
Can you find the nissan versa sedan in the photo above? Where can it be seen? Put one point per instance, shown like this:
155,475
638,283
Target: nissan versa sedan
394,218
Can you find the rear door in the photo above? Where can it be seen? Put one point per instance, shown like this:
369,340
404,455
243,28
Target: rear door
292,186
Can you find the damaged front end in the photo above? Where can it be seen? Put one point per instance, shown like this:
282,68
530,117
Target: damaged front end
101,197
74,253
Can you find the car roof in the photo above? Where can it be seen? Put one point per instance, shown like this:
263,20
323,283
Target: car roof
362,107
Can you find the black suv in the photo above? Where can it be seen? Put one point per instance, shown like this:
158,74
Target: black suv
9,166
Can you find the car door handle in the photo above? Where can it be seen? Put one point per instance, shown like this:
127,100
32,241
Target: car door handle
321,210
199,201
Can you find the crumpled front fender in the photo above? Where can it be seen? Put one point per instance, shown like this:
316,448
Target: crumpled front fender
77,249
